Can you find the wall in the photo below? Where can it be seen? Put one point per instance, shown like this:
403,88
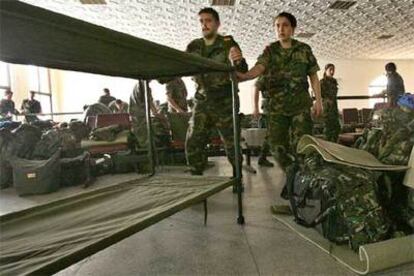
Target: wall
72,90
354,77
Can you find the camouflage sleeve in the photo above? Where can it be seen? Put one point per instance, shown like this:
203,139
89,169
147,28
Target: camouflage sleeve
242,66
264,58
259,84
191,46
313,66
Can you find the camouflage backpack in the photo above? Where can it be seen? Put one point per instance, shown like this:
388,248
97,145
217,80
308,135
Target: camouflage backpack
340,202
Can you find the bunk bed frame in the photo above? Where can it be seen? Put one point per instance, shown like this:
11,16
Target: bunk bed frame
35,36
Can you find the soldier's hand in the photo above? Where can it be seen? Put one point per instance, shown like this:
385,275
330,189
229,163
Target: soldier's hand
317,108
241,76
235,54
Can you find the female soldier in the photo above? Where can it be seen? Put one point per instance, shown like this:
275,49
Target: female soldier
287,63
329,91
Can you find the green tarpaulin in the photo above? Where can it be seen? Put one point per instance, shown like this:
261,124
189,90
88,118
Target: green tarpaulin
32,35
342,155
44,239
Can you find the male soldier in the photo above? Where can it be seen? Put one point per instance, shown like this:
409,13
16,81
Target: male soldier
137,112
213,98
106,98
7,107
260,87
31,106
118,106
176,95
395,84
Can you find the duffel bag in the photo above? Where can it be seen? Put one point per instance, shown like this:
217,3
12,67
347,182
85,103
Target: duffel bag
31,177
75,170
340,202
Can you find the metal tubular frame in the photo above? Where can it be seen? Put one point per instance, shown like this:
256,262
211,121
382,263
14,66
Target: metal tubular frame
236,138
150,137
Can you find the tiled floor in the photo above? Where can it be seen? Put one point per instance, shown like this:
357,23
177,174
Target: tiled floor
182,245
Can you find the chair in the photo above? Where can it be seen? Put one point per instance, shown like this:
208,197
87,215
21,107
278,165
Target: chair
350,116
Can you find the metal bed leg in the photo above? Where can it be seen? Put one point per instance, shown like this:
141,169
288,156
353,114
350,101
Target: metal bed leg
240,218
149,128
205,211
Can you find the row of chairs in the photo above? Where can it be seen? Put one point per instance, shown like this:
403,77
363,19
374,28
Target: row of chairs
354,116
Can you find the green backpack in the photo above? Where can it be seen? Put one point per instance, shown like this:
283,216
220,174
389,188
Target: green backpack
339,201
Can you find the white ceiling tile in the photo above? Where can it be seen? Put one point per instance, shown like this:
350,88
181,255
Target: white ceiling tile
349,34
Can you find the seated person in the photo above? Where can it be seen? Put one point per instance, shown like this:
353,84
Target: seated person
118,106
106,98
7,106
95,109
31,106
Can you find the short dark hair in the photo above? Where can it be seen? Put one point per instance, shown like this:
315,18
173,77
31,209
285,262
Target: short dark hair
391,67
290,17
327,66
211,11
106,90
118,101
8,92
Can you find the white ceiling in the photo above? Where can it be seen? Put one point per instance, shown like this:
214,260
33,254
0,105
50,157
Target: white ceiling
340,34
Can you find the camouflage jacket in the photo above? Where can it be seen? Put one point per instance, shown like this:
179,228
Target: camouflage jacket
286,71
398,138
215,85
261,85
178,92
137,100
329,92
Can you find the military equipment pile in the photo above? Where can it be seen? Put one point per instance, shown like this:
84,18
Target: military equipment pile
354,205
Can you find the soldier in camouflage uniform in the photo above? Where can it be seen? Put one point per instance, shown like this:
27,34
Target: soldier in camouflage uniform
213,98
260,87
176,96
137,112
329,92
287,64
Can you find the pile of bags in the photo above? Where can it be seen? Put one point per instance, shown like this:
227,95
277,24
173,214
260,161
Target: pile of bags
36,162
357,204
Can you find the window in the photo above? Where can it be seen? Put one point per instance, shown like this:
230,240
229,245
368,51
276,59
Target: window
39,82
377,86
4,77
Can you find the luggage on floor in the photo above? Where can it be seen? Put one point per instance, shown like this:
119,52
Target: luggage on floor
75,170
6,173
340,202
25,139
79,129
124,162
36,176
107,133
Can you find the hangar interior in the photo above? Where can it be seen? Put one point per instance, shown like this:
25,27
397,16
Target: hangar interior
132,217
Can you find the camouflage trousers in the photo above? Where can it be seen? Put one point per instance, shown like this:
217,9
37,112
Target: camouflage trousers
266,146
332,128
209,115
284,133
139,129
